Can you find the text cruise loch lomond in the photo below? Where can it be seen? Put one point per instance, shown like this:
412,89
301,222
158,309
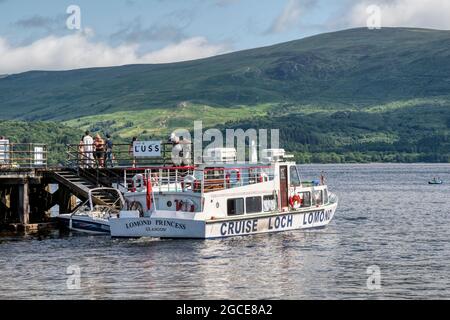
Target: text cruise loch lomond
223,200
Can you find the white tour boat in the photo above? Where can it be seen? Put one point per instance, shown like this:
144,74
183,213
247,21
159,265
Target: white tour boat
94,219
224,200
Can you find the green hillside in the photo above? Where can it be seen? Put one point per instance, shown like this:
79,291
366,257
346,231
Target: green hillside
363,95
53,134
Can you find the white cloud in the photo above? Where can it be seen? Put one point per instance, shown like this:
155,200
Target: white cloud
404,13
291,15
189,49
79,51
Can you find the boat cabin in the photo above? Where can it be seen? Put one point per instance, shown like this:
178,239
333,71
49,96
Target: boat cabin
220,189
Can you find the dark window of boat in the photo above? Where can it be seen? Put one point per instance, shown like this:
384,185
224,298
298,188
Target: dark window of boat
269,203
306,199
253,205
317,197
325,196
295,177
235,207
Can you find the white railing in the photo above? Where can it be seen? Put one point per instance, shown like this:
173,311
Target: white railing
182,179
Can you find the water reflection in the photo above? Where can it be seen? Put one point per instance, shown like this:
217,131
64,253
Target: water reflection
388,216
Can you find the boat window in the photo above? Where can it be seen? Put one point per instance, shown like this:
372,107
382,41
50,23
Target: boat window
295,178
269,203
325,196
214,173
318,197
306,199
235,207
253,205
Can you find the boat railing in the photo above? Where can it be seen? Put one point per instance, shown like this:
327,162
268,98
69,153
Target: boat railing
183,179
216,179
167,179
121,155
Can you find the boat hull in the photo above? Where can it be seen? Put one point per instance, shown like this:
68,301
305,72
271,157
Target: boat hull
84,224
222,228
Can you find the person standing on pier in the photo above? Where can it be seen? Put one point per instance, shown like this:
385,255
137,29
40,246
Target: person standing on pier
88,143
81,154
109,154
99,145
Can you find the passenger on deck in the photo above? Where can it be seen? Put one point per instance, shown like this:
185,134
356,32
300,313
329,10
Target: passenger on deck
88,144
322,178
80,155
131,152
99,145
109,150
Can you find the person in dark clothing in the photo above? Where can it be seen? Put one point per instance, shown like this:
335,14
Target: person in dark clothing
108,151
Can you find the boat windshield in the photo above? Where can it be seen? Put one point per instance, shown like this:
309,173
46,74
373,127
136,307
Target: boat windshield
294,177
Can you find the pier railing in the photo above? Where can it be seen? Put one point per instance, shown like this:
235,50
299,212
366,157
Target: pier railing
101,166
23,155
120,156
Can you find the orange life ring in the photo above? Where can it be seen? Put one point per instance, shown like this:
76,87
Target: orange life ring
197,186
263,177
295,201
238,176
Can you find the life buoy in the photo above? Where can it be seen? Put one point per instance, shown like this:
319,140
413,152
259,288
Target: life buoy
237,178
186,205
295,201
263,177
136,206
197,186
188,182
138,183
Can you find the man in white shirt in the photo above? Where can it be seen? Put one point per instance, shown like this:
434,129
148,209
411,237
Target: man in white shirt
88,144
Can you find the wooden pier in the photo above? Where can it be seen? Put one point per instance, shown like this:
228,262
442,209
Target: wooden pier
30,188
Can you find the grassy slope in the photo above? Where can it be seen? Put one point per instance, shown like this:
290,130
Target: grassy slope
355,67
160,122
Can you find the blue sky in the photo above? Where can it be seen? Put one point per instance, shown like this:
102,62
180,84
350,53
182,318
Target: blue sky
33,34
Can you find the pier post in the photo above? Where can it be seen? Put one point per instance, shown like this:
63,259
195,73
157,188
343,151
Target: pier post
67,201
24,203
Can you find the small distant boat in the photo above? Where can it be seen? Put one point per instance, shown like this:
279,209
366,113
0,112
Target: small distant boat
94,219
436,181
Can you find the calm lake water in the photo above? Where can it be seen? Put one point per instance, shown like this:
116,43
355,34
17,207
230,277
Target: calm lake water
388,216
